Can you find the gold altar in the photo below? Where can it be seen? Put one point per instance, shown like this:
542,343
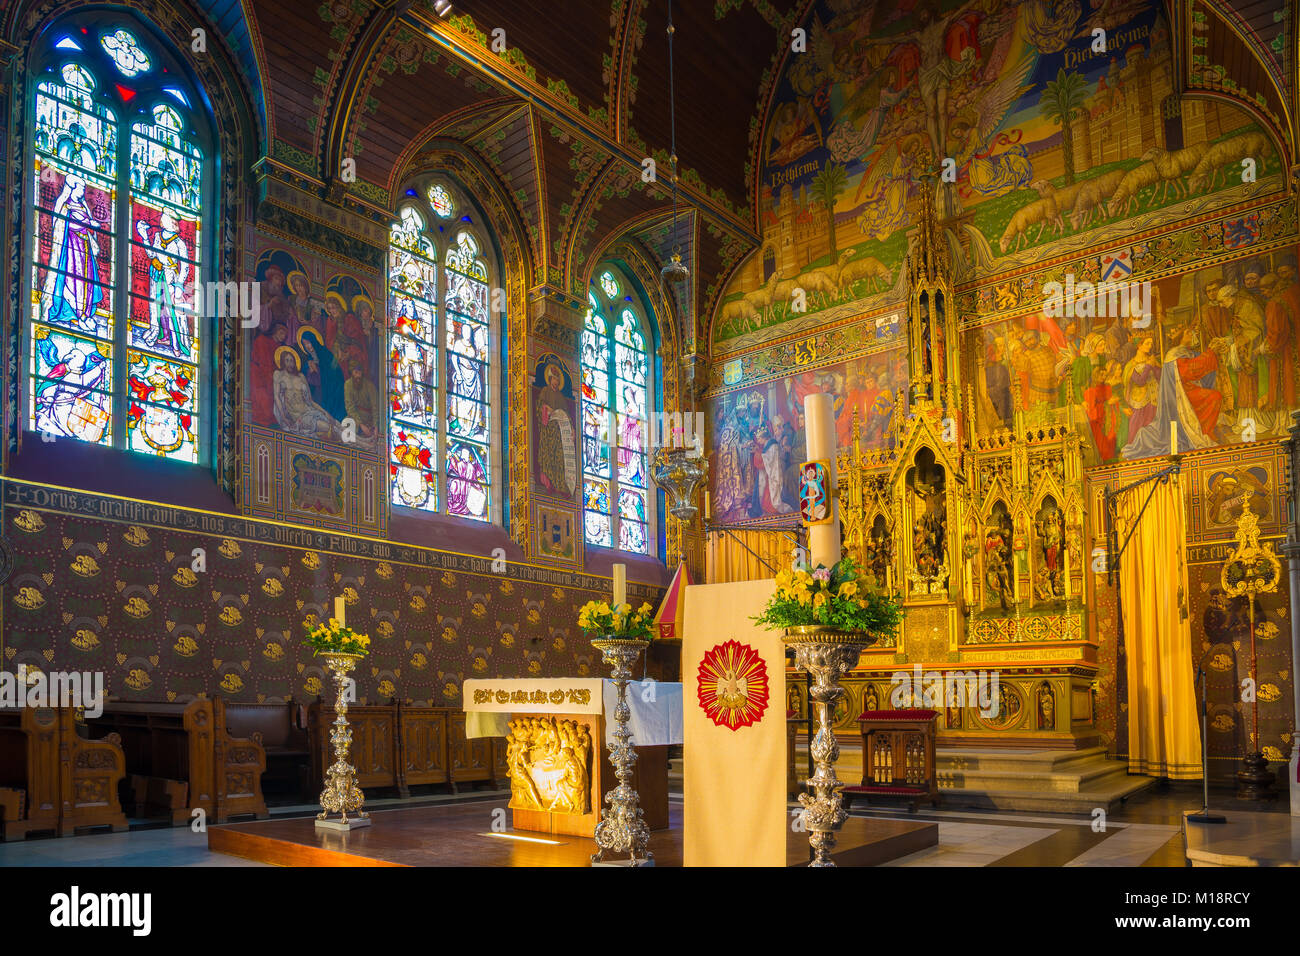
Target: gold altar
980,536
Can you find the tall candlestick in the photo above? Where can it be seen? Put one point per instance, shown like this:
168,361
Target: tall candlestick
819,416
620,584
340,611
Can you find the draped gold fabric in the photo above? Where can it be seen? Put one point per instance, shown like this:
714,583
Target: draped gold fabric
734,555
1164,735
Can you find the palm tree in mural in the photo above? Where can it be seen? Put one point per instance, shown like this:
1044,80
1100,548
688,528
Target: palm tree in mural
826,188
1063,100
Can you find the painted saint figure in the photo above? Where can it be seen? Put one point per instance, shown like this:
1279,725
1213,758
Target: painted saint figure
169,273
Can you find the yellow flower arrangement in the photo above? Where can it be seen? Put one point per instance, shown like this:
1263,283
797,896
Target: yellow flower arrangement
331,637
836,596
599,619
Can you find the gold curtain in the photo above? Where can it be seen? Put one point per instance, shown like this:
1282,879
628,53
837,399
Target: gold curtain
1164,734
734,555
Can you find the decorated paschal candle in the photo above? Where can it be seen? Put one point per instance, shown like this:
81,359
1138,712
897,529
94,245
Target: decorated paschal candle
823,539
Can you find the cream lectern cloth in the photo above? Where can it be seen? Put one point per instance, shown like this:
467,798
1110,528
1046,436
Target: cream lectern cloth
656,706
734,811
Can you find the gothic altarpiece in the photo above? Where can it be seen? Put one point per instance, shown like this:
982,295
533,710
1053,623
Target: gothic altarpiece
981,538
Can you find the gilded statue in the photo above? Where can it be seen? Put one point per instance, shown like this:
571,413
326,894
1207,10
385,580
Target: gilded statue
549,760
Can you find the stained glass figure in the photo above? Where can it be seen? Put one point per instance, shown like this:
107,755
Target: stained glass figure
126,53
90,340
614,362
432,468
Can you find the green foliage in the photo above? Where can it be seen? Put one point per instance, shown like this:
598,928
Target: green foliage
837,597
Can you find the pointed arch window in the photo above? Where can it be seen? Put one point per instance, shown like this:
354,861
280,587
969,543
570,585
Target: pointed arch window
618,501
441,374
118,241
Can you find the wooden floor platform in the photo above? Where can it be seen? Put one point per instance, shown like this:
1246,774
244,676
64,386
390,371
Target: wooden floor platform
462,835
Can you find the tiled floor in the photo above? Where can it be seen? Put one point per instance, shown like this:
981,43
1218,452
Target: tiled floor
1145,832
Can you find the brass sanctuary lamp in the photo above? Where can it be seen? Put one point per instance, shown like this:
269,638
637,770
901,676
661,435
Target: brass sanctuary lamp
1251,569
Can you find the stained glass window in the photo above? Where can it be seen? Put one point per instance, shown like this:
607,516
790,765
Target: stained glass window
615,422
118,239
444,468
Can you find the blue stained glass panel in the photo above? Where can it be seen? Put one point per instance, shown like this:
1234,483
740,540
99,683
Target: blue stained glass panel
632,537
126,53
70,383
598,529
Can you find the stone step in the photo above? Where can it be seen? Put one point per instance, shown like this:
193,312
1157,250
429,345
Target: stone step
1110,794
1083,778
1048,761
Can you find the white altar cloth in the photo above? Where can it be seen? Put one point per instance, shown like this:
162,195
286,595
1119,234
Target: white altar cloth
656,706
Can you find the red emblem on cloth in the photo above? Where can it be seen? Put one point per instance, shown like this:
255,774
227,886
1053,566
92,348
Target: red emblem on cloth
733,685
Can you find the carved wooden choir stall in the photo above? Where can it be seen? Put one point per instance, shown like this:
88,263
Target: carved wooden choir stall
52,778
401,745
182,758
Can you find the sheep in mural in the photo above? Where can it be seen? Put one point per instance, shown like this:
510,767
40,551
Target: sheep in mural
822,282
760,300
1206,174
1174,166
1039,212
868,267
740,315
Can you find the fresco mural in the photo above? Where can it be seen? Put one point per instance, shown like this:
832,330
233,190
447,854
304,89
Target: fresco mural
1045,139
1217,357
315,354
759,435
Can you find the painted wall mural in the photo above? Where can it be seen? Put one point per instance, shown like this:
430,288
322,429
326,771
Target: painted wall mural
1048,142
1218,357
315,354
758,430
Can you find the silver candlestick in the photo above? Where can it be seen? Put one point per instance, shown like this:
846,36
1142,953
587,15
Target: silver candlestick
621,829
827,654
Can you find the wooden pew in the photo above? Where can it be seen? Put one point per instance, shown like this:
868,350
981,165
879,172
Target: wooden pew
239,763
281,728
67,780
182,758
170,749
29,762
91,770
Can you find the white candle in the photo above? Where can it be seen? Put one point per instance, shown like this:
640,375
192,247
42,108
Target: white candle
819,416
1173,438
340,611
620,584
708,512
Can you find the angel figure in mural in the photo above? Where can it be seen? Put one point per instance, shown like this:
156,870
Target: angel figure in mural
169,271
68,401
72,289
948,47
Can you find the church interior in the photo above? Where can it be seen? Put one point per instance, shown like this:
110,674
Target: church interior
650,432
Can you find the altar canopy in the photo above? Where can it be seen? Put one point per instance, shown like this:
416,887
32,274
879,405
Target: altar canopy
656,706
